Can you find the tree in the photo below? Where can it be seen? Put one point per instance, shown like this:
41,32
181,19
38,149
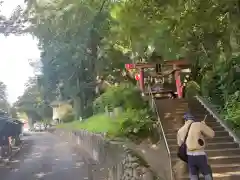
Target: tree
16,24
69,44
33,102
4,105
13,113
81,40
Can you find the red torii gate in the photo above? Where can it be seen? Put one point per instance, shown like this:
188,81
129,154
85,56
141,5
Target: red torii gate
177,66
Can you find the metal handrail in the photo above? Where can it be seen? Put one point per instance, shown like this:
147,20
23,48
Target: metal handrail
163,133
216,116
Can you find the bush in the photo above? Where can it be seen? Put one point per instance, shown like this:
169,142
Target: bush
232,109
136,123
124,95
136,120
192,89
68,117
132,99
111,98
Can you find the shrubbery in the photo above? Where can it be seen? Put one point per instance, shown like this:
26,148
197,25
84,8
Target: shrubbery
124,95
220,86
232,109
68,117
136,119
192,89
136,123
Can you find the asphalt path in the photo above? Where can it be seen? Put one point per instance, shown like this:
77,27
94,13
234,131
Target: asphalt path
46,157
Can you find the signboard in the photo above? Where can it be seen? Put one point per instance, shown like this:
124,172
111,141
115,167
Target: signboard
130,66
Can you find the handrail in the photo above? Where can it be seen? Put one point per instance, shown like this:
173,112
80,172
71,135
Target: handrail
163,133
216,116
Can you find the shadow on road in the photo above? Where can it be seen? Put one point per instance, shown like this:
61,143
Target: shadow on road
14,163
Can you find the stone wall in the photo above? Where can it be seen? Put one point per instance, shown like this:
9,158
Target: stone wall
114,161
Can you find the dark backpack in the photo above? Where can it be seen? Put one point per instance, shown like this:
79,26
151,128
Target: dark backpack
182,150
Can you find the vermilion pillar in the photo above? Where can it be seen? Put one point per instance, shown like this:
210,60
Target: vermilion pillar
141,80
178,83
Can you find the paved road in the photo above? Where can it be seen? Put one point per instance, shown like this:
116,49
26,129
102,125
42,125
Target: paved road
46,157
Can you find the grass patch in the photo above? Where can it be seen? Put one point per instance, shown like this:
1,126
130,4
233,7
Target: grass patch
132,124
99,124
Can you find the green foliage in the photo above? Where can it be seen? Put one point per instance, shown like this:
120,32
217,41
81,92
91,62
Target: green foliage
221,85
34,102
124,95
4,105
67,117
15,24
232,109
111,98
13,112
136,123
192,89
132,99
205,32
99,123
69,34
135,120
81,40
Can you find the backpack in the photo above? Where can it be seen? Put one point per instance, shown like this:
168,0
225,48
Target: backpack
182,150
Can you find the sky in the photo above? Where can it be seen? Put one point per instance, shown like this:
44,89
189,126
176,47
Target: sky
15,53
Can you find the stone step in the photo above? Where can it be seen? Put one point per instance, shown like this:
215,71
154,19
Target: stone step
197,117
218,176
220,169
168,125
195,107
217,134
221,139
212,123
175,126
216,128
218,160
212,146
223,168
216,152
214,140
223,153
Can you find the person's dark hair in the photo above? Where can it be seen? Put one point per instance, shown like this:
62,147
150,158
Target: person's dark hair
188,116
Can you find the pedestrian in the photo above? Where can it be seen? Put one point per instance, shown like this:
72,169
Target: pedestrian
194,132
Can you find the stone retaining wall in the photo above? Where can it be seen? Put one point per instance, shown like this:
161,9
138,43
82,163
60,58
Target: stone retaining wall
118,162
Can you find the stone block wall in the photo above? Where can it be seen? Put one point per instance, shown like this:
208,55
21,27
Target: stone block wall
118,162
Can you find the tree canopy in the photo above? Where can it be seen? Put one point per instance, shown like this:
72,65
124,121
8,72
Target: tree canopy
4,105
33,102
82,40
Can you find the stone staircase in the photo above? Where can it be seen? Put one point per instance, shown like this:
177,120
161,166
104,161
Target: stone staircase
223,152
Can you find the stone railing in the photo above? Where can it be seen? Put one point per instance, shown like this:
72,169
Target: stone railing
118,161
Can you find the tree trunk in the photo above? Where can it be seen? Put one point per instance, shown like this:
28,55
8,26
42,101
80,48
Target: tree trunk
78,107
